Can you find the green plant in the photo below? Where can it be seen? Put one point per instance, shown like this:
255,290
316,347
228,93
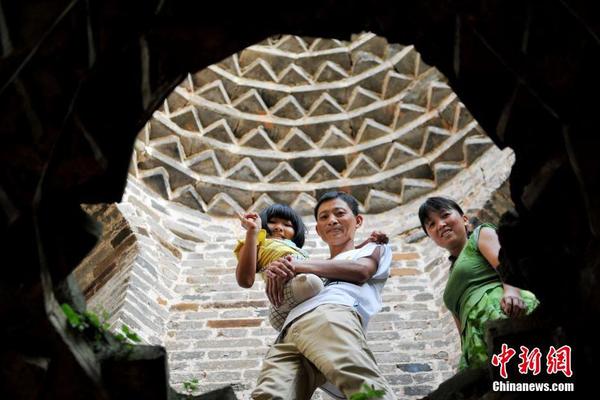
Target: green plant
191,385
127,335
368,393
88,322
96,328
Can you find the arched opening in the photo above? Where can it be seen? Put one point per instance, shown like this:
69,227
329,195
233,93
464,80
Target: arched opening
284,121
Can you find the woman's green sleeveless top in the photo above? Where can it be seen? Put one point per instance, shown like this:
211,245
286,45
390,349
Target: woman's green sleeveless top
470,277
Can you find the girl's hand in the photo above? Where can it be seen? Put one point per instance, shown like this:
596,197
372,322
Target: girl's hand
379,237
250,221
274,291
512,304
281,268
278,273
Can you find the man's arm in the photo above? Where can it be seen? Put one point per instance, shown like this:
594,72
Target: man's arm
355,271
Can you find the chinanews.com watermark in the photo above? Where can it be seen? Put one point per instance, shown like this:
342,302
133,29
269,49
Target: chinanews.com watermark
501,386
557,366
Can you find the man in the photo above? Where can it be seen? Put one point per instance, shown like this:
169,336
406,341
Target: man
323,340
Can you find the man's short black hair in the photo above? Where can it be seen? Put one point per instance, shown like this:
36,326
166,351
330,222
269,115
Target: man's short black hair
436,204
285,212
348,198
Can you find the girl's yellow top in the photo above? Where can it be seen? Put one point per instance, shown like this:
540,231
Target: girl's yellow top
272,249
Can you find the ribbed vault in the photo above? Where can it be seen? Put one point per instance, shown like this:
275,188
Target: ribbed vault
291,117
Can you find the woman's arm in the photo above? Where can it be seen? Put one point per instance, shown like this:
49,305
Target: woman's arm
489,245
457,322
245,271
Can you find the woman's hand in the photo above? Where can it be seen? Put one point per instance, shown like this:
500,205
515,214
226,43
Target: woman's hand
250,221
511,303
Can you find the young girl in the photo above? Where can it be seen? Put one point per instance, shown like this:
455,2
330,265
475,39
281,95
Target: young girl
278,232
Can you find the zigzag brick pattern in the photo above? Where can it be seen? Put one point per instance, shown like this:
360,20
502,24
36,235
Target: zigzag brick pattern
291,117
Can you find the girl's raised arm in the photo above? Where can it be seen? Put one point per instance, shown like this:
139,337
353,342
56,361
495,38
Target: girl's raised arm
245,271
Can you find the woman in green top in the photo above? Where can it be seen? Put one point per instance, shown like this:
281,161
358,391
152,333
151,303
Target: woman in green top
474,292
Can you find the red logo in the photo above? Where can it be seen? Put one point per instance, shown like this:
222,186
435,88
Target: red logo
530,360
557,360
503,358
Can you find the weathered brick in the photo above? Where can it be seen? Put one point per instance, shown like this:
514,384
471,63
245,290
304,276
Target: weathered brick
234,323
405,256
414,367
423,297
251,375
226,365
380,346
195,297
404,271
410,307
421,390
187,325
232,333
391,357
186,355
227,343
423,377
184,307
420,315
237,296
374,336
223,376
200,316
395,379
224,354
237,304
172,345
388,316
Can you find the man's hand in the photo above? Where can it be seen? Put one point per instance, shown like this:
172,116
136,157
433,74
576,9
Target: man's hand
511,303
250,221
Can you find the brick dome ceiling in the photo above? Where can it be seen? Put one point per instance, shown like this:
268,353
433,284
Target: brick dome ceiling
291,117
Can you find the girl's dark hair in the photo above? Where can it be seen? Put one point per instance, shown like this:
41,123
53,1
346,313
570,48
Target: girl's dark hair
285,212
436,204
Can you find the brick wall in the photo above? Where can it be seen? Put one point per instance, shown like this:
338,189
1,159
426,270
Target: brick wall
177,287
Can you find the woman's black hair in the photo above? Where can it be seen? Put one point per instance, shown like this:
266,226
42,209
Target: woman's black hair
436,204
285,212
